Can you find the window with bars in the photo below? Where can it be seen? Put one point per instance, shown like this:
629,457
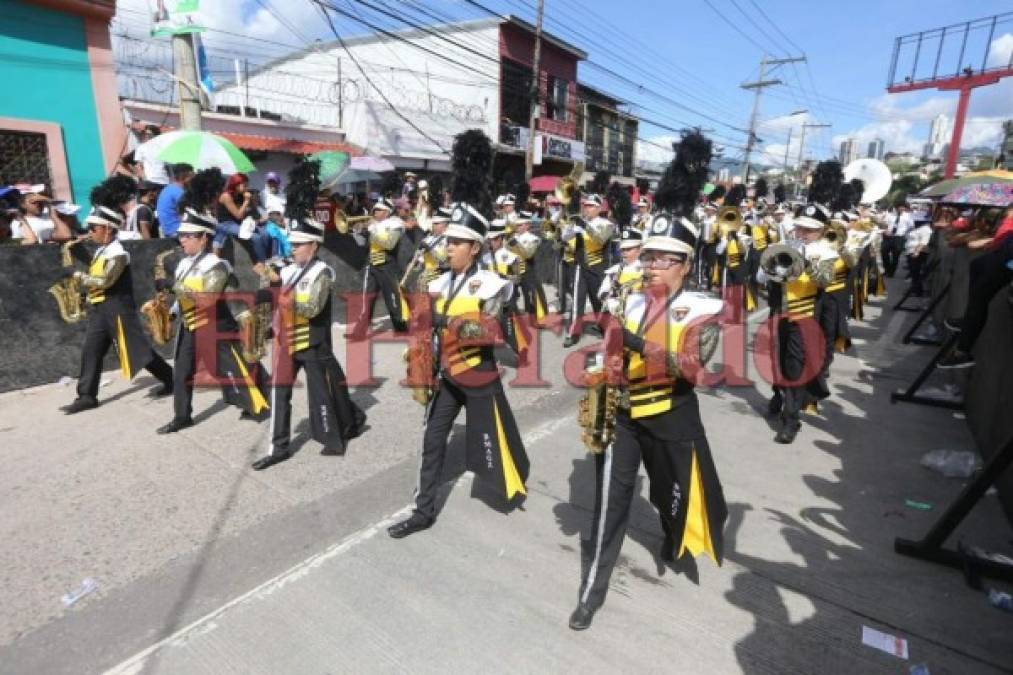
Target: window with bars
24,158
516,99
555,105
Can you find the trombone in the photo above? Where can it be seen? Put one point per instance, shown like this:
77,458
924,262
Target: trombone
343,222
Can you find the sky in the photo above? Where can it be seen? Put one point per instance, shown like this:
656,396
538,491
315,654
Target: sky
681,62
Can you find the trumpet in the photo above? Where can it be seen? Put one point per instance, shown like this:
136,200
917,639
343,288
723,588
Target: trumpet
343,222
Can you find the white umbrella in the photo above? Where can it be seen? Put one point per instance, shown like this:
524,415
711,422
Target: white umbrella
201,150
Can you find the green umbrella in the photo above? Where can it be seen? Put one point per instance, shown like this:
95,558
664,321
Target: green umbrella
708,188
332,163
201,150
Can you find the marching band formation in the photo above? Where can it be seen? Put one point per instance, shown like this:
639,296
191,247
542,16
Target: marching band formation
659,287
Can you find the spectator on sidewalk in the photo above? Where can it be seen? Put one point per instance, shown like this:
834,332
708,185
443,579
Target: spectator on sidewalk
236,204
147,166
916,248
989,274
37,223
142,222
168,199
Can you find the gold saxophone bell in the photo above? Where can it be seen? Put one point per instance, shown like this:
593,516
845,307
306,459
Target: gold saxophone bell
67,292
343,222
835,234
155,312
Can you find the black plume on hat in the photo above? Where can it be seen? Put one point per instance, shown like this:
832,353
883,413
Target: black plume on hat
717,193
302,190
826,184
736,195
201,193
620,207
471,164
761,188
779,193
684,178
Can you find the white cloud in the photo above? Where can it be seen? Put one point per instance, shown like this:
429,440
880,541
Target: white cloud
653,149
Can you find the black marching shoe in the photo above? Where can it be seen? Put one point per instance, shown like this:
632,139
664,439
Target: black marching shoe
581,617
276,457
414,524
774,406
788,432
165,389
80,404
175,425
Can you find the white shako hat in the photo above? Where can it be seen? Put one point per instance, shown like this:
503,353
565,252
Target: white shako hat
671,234
467,223
305,231
631,238
383,204
497,228
813,217
194,222
102,215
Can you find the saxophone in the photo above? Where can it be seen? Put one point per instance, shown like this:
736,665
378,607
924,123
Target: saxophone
596,411
156,312
67,291
255,338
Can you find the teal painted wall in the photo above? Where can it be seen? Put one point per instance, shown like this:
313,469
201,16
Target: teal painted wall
47,78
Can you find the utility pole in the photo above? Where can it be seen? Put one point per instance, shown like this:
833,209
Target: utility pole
186,78
529,157
758,87
787,145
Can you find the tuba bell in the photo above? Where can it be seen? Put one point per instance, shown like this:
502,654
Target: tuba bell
729,220
782,260
835,234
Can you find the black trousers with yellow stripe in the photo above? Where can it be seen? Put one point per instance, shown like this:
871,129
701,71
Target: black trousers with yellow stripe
684,487
533,293
242,383
107,327
334,417
586,282
382,280
792,361
494,449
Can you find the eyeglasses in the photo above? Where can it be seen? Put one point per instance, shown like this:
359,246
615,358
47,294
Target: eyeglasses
660,263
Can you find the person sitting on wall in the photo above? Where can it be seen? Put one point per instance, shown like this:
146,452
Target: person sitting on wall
236,204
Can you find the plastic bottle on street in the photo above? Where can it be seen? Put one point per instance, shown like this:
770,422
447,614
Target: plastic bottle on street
87,586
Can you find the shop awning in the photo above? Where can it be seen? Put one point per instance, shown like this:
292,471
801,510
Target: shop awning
286,145
543,183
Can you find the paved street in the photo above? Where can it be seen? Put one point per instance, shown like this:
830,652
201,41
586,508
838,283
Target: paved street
204,566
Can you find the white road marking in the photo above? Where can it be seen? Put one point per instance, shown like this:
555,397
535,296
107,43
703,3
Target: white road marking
136,663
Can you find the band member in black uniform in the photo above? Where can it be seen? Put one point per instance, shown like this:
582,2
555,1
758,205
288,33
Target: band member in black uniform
381,274
466,306
658,343
795,298
507,265
305,322
200,280
526,244
591,236
112,311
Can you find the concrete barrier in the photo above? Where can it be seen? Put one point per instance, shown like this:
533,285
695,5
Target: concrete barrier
988,398
39,347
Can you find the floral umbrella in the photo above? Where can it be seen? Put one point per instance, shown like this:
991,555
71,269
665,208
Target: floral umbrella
981,194
978,177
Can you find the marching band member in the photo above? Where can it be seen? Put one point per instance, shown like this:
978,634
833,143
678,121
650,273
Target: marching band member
467,301
626,272
590,240
733,251
112,315
381,275
794,299
201,278
661,339
707,264
433,249
306,289
526,244
507,265
642,218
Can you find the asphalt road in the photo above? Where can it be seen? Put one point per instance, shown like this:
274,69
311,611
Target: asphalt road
203,566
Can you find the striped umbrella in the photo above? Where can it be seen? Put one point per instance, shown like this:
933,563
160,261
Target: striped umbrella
201,150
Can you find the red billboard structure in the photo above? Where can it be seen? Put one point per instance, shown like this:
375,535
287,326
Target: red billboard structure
961,58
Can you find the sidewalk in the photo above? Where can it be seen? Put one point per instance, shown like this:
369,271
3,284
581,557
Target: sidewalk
291,571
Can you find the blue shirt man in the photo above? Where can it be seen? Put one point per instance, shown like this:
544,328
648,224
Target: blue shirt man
168,200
